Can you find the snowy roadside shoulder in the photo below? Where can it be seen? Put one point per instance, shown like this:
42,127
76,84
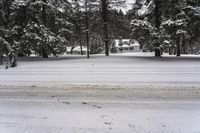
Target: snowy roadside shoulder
105,92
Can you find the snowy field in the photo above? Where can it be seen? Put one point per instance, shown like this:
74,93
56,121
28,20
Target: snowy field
123,93
119,69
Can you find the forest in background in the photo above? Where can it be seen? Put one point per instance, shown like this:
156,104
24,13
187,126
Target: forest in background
167,25
47,27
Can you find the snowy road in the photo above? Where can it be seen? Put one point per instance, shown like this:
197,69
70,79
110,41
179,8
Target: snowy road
99,109
116,69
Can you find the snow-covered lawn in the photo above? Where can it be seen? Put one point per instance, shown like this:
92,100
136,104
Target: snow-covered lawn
117,69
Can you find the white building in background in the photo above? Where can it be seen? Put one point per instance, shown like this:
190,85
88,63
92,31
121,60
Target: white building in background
125,45
77,50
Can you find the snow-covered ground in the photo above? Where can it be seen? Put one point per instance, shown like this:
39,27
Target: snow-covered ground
99,109
123,93
118,69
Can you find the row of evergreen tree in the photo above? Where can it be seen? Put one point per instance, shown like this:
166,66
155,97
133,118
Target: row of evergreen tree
167,25
48,26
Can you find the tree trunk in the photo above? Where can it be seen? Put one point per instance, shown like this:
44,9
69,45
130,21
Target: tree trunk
157,52
1,54
184,47
170,51
10,52
175,49
87,28
72,48
178,46
44,12
81,47
12,59
44,52
1,59
11,55
157,15
105,26
190,45
52,51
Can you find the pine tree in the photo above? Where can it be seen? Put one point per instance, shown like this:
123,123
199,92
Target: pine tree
192,10
101,18
5,45
45,32
96,44
163,21
77,18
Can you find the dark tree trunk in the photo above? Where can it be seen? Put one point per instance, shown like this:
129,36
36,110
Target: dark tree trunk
44,12
175,49
1,59
80,39
170,50
190,45
105,26
184,47
12,59
72,48
44,17
81,46
52,51
44,53
87,28
11,55
157,15
10,52
157,52
178,46
1,54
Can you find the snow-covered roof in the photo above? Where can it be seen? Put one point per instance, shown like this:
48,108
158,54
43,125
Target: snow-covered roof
135,44
126,43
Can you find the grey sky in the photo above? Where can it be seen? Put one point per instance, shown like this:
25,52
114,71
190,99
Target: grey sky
128,2
129,5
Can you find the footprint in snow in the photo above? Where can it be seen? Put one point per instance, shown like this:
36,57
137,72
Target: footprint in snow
93,105
96,106
107,120
131,125
66,102
84,103
108,123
